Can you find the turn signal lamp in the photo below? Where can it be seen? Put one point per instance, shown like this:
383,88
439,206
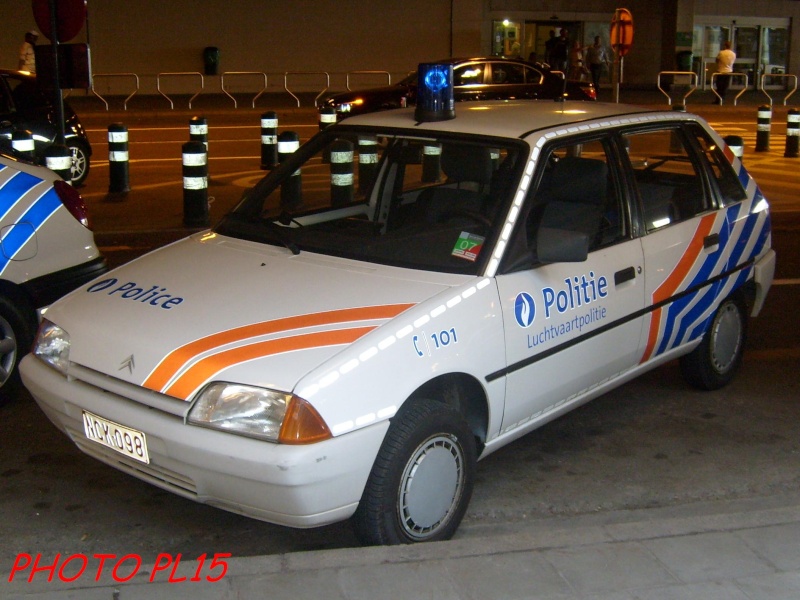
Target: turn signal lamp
435,93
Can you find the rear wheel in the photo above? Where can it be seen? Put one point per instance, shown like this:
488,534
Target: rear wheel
715,361
422,479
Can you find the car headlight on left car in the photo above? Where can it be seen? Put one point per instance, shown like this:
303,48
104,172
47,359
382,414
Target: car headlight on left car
258,412
52,346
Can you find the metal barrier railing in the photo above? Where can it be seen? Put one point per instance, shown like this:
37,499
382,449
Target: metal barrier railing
128,75
347,77
692,83
286,83
778,75
732,76
242,73
184,74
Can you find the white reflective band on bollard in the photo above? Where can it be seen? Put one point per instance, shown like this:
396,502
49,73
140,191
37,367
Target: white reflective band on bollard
287,147
58,163
269,123
118,156
432,150
23,145
341,157
325,118
269,139
195,159
195,183
368,159
343,179
201,129
117,136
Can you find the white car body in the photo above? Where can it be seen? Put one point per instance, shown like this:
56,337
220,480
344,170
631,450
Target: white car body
45,251
510,348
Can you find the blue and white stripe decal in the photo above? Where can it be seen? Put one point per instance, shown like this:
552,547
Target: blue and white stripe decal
12,192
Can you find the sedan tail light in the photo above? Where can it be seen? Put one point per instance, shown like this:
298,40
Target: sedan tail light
72,201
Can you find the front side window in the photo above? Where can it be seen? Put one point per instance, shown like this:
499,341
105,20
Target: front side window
668,182
471,74
578,197
425,202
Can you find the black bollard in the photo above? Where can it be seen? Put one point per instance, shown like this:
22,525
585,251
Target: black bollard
195,184
269,140
792,134
118,171
763,127
198,130
431,162
341,173
291,189
22,143
327,117
736,144
367,162
58,158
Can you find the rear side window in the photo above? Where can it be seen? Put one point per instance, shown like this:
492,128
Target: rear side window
729,186
507,73
667,180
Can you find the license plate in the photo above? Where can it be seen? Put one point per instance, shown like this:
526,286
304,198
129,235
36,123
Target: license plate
112,435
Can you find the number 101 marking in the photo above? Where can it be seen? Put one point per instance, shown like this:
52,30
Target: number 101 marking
444,338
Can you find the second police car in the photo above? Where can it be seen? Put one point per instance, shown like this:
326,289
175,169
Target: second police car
405,295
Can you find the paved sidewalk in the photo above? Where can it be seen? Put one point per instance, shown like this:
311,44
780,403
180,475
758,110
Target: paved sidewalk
725,551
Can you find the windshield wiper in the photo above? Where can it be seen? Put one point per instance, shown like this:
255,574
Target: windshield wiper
280,233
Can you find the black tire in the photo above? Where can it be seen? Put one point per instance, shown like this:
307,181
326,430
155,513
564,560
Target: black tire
80,161
17,328
714,363
430,446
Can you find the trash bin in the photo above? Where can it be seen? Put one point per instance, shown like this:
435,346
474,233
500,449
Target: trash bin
683,60
211,60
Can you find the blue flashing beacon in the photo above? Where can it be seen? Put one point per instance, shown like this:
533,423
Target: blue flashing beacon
435,101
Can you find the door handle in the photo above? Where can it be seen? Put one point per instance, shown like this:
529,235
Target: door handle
711,240
624,275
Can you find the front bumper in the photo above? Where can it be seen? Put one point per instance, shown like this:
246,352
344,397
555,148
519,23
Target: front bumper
764,272
297,486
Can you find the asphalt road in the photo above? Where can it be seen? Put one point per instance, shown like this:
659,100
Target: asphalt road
653,443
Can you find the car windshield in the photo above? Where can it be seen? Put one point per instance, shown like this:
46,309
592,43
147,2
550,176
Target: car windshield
404,199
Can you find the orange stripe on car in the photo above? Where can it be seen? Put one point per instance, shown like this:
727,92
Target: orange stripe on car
179,357
674,280
206,368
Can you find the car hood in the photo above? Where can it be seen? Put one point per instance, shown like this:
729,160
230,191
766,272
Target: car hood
214,308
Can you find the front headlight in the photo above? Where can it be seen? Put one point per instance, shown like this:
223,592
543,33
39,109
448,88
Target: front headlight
52,346
258,412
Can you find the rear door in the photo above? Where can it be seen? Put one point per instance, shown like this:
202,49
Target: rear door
683,237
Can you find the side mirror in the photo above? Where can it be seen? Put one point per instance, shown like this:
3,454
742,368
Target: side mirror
561,245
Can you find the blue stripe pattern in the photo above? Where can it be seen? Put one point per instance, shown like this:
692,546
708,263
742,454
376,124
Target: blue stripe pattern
36,214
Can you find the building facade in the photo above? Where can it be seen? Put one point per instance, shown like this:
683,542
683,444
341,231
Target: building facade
318,42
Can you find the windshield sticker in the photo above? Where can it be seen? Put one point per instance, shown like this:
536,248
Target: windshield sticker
468,246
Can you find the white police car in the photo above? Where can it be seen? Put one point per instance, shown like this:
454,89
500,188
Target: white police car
402,297
46,250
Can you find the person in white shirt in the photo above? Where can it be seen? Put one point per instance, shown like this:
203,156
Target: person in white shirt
27,54
725,60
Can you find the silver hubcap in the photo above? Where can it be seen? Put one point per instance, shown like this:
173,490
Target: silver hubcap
431,486
726,337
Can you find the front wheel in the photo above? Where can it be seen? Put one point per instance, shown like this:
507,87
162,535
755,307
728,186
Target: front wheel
80,161
422,479
715,361
17,329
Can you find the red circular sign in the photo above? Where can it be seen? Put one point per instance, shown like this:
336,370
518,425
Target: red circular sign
70,15
622,31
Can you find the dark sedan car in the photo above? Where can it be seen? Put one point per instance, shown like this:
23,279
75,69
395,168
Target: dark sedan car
492,78
24,105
